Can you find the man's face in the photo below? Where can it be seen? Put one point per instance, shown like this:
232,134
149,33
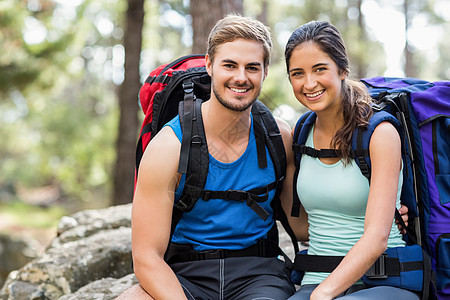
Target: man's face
237,73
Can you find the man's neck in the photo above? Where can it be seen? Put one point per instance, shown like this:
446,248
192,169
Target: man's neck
227,131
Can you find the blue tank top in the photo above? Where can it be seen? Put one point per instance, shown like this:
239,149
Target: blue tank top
226,224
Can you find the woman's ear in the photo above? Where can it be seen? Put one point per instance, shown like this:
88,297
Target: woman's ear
344,74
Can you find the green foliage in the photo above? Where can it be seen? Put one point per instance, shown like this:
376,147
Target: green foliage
21,62
70,143
35,217
58,112
61,64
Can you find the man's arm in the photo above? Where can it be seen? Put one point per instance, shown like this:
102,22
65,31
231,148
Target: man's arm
298,224
152,214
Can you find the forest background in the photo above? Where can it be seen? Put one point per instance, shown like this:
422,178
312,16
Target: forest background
70,72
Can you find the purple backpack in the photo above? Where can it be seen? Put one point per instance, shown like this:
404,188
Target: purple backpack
423,109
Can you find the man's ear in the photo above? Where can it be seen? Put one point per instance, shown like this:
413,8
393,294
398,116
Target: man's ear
266,72
208,64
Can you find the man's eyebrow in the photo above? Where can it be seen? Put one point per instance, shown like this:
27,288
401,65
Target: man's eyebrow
258,64
230,61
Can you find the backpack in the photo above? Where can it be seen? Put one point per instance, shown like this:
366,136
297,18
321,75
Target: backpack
420,111
179,88
424,111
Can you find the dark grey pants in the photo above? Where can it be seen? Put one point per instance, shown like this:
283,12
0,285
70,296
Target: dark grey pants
235,278
362,292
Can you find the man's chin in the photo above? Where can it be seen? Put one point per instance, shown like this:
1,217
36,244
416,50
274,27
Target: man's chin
239,105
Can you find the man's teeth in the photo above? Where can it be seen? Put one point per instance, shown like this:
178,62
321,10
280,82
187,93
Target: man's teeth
314,94
238,90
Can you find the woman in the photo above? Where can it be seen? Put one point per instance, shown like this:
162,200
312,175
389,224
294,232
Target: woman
345,217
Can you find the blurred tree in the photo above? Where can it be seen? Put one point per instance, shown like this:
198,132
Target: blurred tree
443,63
128,105
413,10
56,117
359,66
262,16
25,49
205,14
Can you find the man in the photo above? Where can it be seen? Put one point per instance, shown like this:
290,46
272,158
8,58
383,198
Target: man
237,60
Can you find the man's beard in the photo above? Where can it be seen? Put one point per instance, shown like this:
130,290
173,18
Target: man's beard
229,105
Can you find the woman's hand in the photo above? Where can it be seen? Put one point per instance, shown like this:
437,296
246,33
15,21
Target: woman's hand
404,212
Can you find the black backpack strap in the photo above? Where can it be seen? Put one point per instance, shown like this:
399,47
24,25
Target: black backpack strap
184,253
197,156
361,139
361,152
270,136
198,160
383,266
186,111
303,149
262,248
301,131
275,146
251,197
258,128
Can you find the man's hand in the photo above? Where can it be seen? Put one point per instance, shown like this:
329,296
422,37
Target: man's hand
404,213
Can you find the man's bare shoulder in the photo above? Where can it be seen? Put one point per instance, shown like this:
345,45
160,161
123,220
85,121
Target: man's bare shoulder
285,129
163,149
166,137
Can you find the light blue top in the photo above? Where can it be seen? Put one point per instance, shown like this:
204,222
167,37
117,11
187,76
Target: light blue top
226,224
335,198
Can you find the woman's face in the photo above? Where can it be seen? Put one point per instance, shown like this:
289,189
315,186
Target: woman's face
315,78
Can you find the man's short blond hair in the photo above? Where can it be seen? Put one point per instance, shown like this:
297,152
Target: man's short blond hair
234,27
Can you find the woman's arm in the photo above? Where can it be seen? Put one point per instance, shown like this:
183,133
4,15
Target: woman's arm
152,214
298,224
385,153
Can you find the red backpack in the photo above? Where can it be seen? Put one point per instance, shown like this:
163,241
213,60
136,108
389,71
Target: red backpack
164,83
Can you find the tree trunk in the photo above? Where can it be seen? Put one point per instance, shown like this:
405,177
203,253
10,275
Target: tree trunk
128,106
205,14
361,68
262,16
409,68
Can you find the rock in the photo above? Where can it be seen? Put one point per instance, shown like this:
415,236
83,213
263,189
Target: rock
90,258
91,251
103,289
14,253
